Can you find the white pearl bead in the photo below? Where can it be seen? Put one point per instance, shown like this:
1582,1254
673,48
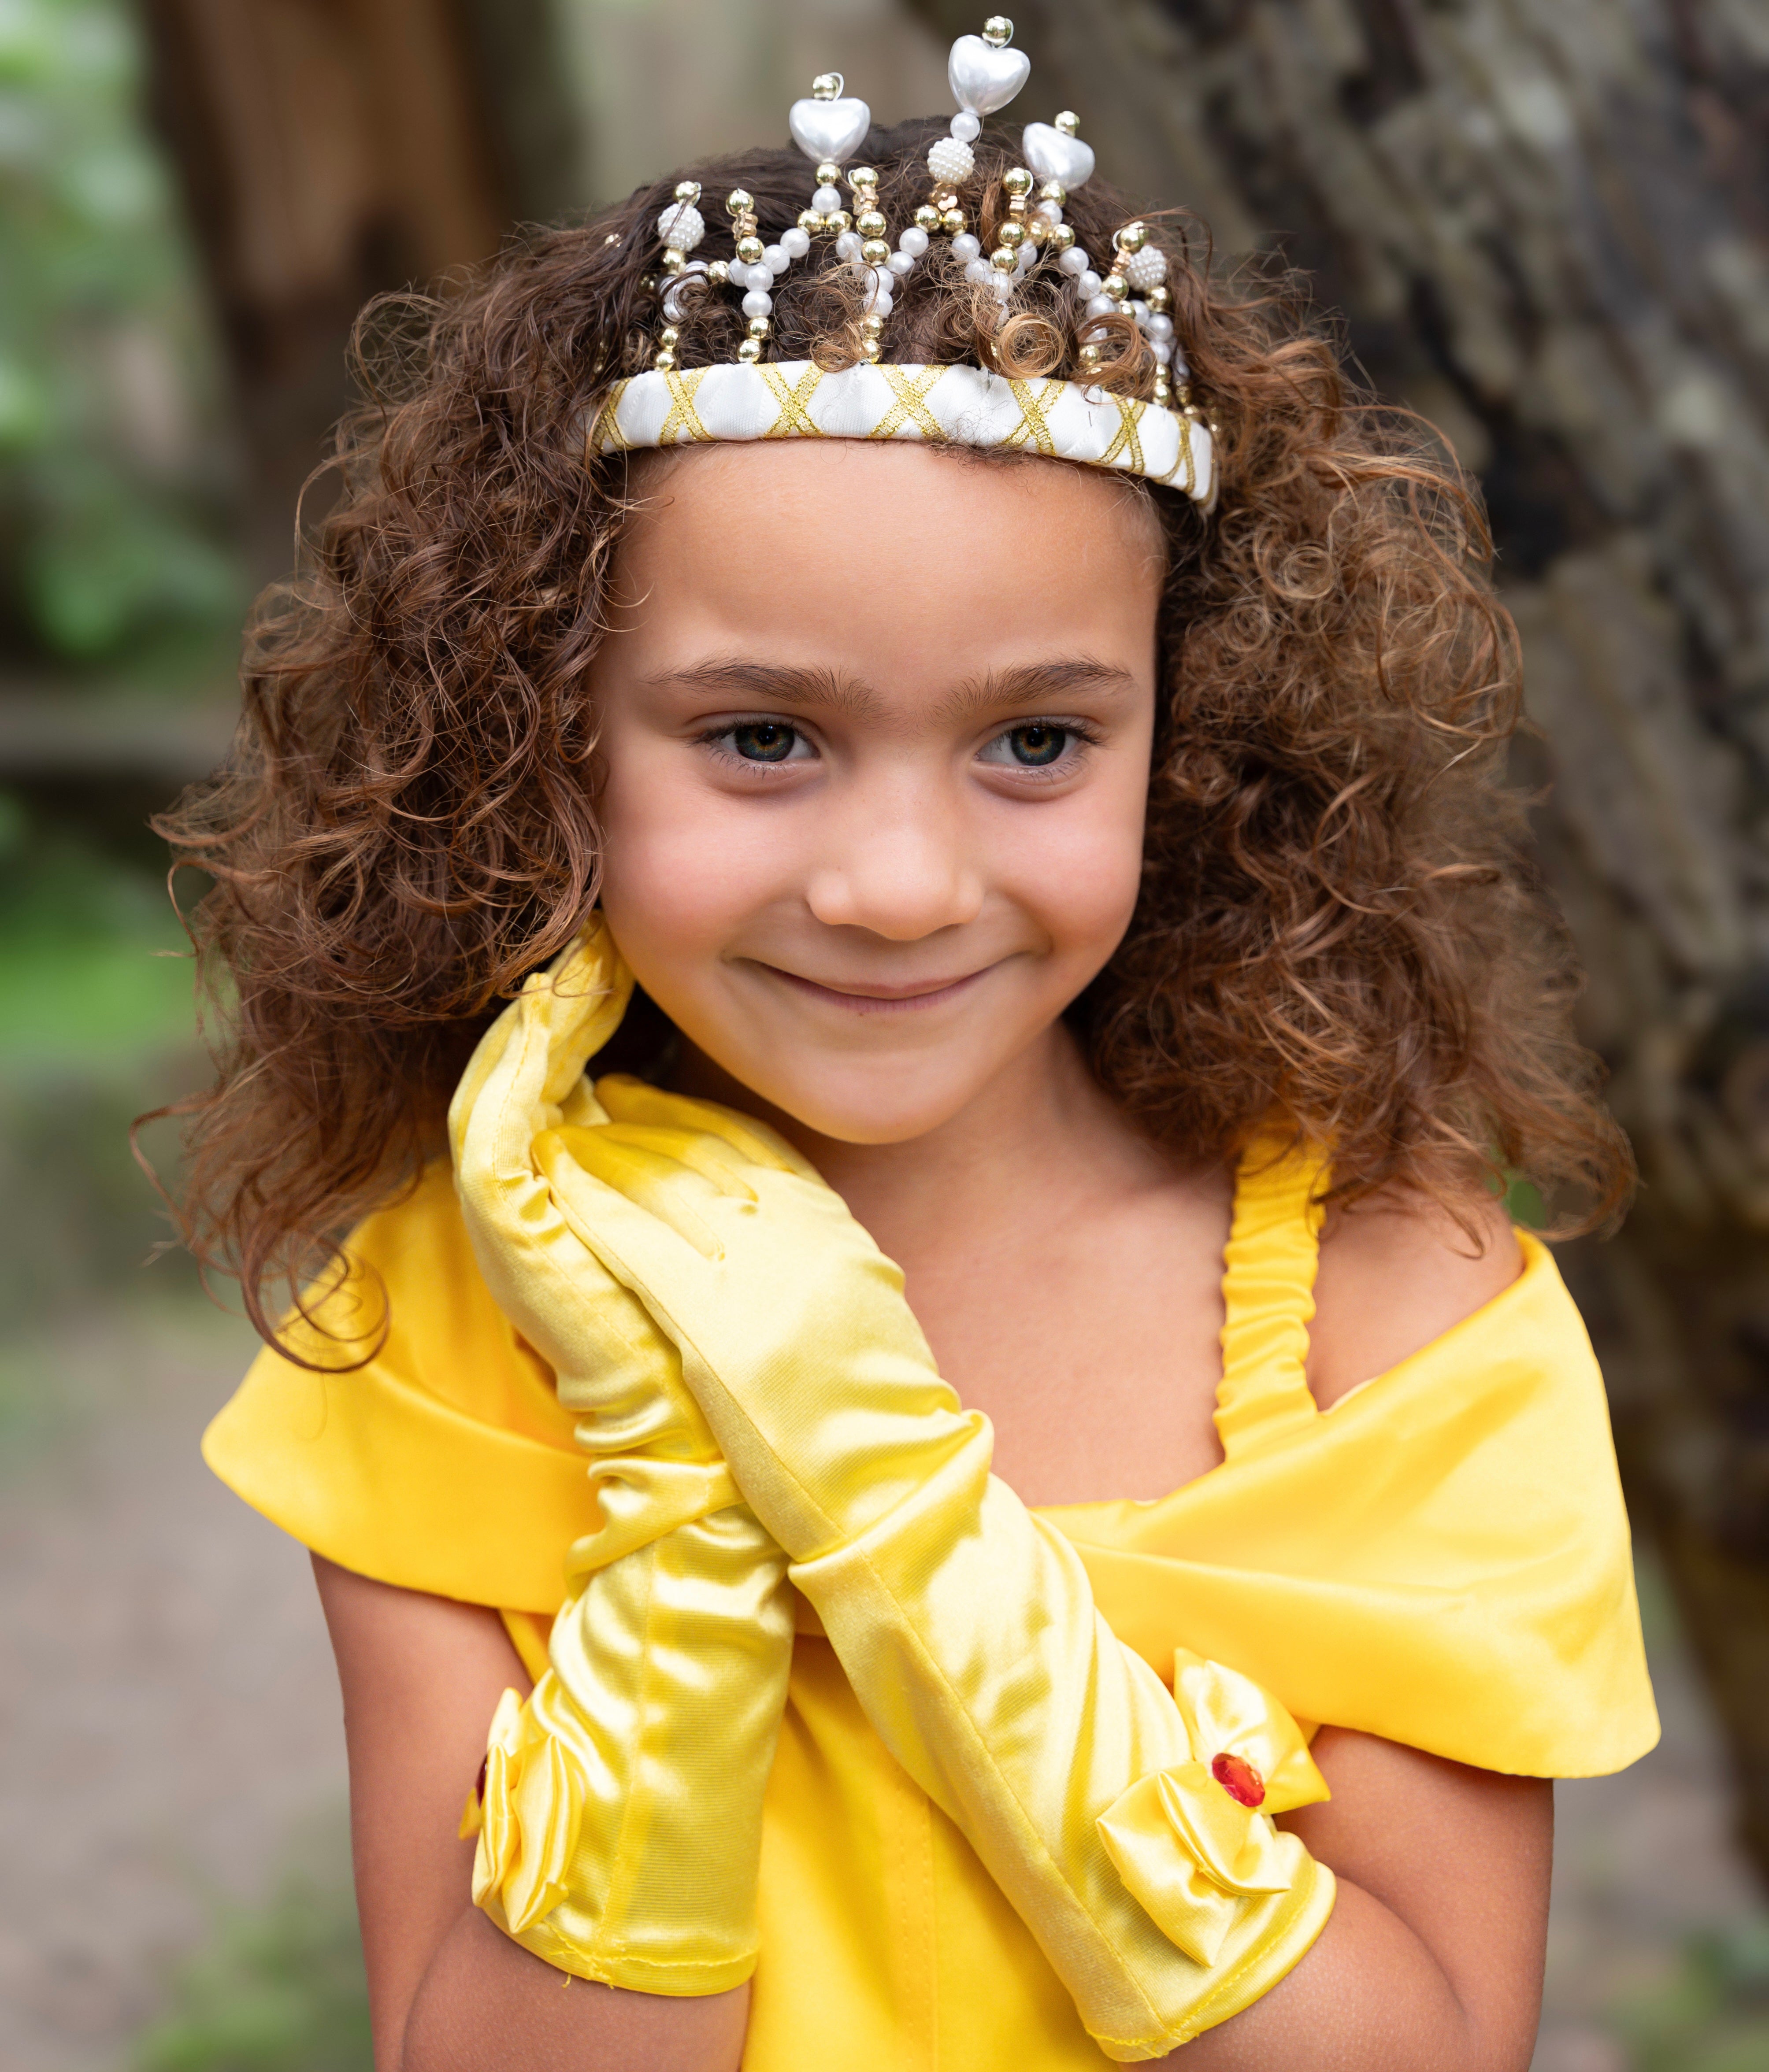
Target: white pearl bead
826,201
848,245
1051,211
1181,367
1003,286
901,262
966,127
965,247
682,226
1145,268
1075,260
1098,305
1161,349
914,241
950,161
776,259
794,243
1160,326
1089,285
756,304
979,270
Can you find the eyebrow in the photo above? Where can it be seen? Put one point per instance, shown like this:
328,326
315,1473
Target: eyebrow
746,682
768,684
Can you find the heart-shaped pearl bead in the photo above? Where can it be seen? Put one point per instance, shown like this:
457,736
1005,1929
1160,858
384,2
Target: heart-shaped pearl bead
830,129
984,78
1052,156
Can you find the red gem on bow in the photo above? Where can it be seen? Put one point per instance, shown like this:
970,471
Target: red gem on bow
1238,1777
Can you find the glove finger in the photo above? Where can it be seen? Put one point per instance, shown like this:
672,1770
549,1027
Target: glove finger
648,1176
628,1100
533,1056
645,1251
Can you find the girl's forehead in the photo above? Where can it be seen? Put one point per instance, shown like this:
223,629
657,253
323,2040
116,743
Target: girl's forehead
836,510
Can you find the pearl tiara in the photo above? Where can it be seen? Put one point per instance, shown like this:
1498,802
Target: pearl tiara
1168,441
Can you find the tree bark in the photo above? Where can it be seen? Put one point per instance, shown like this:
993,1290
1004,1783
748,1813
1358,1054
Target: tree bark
1547,224
332,148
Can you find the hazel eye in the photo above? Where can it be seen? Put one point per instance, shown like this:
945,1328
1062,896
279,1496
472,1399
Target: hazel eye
763,740
1035,745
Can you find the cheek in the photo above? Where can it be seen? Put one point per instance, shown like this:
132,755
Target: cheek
678,874
1079,870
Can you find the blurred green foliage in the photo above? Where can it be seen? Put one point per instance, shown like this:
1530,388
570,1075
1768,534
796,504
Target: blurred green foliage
281,1988
111,483
1712,2014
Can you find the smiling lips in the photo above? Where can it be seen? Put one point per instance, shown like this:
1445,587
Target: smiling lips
862,998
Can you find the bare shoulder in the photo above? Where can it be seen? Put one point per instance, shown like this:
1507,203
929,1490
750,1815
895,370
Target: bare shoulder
1396,1271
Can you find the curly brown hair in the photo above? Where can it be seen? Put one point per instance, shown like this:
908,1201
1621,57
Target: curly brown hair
1339,926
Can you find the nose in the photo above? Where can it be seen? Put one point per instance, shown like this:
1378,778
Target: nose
899,866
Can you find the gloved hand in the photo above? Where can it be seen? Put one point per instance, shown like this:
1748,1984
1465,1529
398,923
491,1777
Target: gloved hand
1129,1828
619,1811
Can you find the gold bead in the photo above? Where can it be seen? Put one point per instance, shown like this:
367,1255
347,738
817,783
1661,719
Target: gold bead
1090,357
669,336
749,352
826,86
739,202
750,250
1002,259
1160,301
875,251
1017,181
862,176
1115,285
953,222
810,221
665,360
757,327
1060,238
998,31
688,190
945,198
928,218
1068,123
869,223
870,349
719,272
648,284
835,223
1054,190
872,324
612,238
828,173
1012,235
1132,238
1037,230
672,260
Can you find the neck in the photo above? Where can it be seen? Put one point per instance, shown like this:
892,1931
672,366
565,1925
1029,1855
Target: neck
1036,1136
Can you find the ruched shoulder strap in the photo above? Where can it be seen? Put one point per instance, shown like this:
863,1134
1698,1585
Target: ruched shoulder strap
1268,1297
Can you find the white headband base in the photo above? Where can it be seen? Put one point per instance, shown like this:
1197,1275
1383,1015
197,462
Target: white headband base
969,406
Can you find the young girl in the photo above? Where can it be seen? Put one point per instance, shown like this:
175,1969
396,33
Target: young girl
1026,746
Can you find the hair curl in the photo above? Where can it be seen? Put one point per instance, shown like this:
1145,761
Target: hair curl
1339,925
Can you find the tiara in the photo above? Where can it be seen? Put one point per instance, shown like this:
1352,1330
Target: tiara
1166,441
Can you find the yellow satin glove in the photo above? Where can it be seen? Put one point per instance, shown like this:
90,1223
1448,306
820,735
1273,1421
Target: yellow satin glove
1132,1832
619,1812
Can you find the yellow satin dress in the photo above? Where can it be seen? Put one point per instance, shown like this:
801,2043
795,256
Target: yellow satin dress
1442,1559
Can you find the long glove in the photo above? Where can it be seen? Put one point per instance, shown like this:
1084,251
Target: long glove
1131,1832
619,1811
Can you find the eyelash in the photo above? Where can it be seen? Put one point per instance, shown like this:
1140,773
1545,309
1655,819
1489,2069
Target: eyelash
1082,735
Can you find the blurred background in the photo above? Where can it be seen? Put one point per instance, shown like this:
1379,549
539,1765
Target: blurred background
1547,224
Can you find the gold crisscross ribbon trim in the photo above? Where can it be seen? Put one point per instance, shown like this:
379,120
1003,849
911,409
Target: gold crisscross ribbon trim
951,405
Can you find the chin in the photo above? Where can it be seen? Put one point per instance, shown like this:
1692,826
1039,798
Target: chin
853,1107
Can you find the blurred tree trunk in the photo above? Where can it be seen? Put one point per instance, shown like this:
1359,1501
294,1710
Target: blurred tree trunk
1547,222
330,149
